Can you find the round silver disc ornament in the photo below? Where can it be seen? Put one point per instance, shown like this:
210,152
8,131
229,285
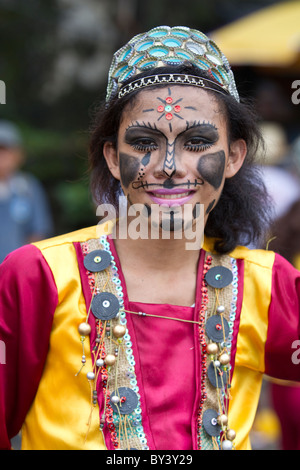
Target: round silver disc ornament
219,277
217,377
217,328
97,261
105,306
210,423
127,403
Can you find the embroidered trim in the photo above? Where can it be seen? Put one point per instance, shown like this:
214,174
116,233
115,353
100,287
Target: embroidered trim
126,431
233,304
214,398
203,344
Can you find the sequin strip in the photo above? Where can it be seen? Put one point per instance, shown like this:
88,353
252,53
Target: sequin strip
233,303
202,339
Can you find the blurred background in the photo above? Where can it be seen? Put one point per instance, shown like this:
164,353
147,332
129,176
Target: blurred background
54,61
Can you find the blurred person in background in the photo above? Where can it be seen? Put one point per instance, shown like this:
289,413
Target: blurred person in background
281,180
277,421
286,242
24,212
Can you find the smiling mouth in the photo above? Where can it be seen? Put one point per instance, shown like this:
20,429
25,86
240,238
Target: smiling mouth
170,198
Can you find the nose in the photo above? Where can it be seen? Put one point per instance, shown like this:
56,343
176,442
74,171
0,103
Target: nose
171,166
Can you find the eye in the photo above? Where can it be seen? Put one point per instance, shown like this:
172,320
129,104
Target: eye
144,145
197,144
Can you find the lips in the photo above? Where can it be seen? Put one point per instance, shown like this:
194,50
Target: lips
170,197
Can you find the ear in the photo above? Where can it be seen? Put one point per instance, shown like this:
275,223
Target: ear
237,154
111,156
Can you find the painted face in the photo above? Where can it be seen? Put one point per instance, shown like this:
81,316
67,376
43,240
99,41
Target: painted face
173,149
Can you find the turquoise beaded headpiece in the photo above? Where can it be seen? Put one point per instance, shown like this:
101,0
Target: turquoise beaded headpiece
166,46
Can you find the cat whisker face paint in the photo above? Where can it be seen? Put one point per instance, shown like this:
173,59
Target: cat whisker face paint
173,149
167,184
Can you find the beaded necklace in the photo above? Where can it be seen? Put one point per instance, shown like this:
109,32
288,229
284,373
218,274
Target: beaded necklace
121,422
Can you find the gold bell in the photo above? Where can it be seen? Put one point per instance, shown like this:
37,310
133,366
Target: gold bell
84,329
119,331
212,348
222,420
110,360
230,434
224,359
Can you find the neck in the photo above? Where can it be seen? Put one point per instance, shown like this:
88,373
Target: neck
167,250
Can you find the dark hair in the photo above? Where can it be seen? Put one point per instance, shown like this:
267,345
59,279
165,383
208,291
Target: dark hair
242,213
285,233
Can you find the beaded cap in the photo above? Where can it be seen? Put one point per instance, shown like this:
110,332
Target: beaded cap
166,46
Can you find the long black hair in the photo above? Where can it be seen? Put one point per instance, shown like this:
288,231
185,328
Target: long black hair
242,213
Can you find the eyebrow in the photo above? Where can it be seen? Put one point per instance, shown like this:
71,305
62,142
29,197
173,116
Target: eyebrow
206,127
197,124
133,129
146,125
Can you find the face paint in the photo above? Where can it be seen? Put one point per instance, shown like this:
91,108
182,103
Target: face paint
210,206
169,166
129,168
168,184
146,159
197,210
144,162
167,108
172,223
211,168
168,161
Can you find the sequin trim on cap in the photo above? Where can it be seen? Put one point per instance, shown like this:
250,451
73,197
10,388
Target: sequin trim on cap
166,46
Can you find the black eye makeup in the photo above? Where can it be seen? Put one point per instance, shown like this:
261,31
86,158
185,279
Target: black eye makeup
197,144
138,140
199,137
196,137
144,145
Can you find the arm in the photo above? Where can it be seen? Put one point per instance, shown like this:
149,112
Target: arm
28,298
284,322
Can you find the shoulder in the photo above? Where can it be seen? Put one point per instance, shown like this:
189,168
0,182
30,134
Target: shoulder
259,263
262,258
78,236
21,260
54,251
266,260
25,275
61,252
66,239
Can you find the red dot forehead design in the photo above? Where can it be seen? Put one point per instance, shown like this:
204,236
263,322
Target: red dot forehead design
168,108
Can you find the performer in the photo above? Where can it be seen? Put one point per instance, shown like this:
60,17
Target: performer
133,334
